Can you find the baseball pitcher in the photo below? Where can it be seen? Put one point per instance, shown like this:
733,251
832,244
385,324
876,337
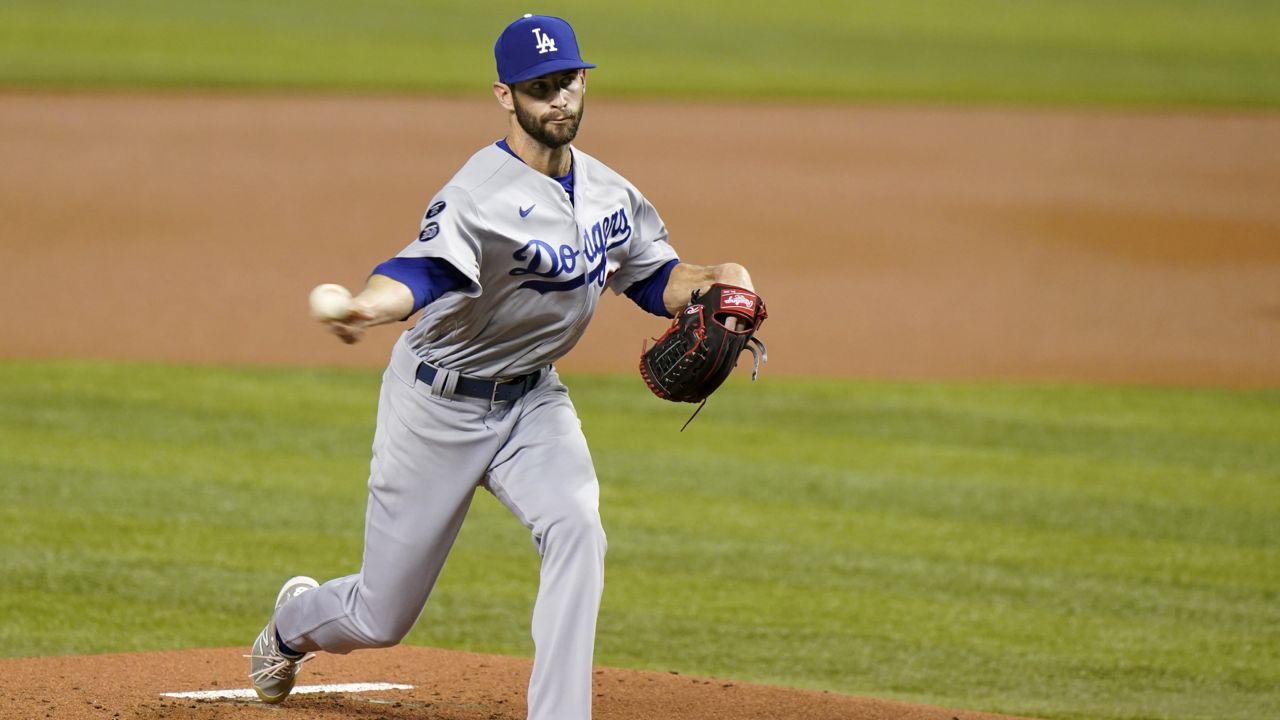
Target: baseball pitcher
509,264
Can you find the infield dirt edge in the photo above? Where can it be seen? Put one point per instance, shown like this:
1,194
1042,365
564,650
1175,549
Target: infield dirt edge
447,685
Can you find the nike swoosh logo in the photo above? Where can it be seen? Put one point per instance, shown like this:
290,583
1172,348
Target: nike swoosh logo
525,213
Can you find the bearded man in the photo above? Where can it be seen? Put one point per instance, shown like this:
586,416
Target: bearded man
509,264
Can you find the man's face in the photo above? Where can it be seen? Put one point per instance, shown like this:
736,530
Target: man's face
550,107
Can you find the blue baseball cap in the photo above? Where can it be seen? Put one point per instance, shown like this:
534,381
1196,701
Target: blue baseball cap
536,45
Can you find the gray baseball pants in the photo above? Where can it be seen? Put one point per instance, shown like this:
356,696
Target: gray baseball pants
430,452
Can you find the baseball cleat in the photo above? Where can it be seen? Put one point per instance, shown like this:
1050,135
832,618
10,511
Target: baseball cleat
272,670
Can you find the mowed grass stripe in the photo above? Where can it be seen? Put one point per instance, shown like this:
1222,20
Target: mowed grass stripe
1053,550
1146,52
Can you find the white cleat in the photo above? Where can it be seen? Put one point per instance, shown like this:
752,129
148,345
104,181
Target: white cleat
272,670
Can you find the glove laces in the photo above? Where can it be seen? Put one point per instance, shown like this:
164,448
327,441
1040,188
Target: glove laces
758,353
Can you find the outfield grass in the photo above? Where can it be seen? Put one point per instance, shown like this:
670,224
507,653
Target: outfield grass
1132,52
1062,551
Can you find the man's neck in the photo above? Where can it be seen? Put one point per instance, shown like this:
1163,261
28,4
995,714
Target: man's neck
552,162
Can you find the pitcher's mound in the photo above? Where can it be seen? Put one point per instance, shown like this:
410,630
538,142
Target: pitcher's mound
446,685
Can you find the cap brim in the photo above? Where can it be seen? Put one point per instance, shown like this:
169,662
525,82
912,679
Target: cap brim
546,68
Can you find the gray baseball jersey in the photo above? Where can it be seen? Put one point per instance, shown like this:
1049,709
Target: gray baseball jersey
537,265
537,262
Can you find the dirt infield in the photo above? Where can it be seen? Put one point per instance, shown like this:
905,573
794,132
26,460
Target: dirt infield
895,242
446,686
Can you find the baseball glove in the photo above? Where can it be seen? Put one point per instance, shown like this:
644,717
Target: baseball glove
697,353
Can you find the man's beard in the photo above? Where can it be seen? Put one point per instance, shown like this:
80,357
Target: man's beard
552,136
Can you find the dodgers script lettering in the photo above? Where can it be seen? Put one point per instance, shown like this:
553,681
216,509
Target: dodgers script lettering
545,260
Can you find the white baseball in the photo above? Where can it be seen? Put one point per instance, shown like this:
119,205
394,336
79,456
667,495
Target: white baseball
330,302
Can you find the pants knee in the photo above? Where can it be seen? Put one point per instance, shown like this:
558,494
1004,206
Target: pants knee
577,530
385,626
385,634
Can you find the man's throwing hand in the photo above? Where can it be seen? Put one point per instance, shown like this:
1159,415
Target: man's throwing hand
333,306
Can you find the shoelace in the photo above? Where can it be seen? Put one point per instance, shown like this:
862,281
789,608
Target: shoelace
280,667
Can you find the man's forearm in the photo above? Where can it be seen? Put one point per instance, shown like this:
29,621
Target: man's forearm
686,278
384,300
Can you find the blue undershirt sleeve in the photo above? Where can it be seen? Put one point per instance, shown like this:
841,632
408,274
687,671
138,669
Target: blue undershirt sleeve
427,277
647,293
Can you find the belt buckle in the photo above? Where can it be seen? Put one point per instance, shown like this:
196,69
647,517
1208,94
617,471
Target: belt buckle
493,395
526,380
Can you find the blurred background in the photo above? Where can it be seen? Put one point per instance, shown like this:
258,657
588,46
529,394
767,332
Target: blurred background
1017,447
1040,190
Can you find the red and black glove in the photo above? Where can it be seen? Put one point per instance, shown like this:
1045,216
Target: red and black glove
697,353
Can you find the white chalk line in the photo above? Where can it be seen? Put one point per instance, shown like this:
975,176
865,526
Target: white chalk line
299,690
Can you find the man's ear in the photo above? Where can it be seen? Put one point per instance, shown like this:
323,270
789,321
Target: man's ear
502,92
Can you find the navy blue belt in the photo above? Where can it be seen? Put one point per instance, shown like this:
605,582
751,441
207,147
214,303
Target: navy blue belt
492,390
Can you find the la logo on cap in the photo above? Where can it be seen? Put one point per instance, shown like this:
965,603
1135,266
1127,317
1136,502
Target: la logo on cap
545,42
554,48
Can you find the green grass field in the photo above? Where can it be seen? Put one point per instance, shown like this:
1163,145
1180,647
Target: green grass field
1134,52
1061,551
1053,550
